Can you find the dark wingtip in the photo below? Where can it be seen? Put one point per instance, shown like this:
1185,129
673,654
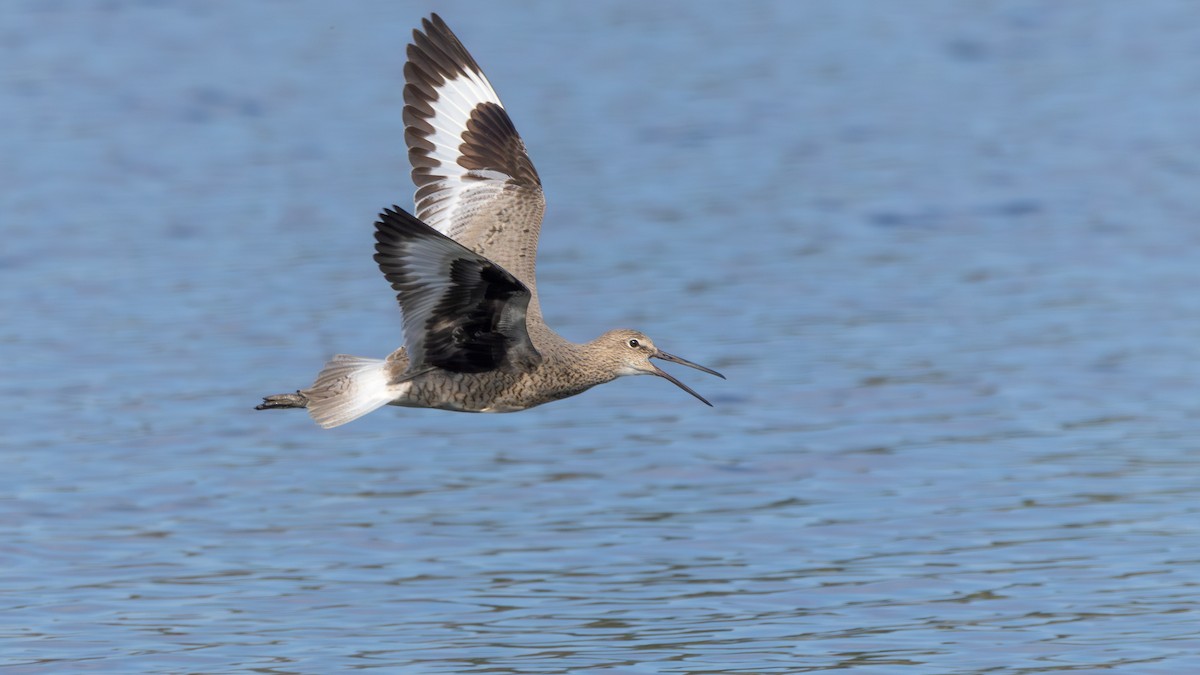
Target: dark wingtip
396,222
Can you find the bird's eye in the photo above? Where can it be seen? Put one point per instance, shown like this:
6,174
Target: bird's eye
634,343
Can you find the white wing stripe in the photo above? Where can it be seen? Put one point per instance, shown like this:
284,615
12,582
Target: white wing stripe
456,99
478,188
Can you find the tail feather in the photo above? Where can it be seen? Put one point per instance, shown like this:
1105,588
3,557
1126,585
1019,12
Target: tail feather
348,388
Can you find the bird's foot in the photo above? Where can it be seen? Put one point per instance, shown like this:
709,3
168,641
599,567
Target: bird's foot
296,400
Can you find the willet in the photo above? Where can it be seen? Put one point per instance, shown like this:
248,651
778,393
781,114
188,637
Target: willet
463,268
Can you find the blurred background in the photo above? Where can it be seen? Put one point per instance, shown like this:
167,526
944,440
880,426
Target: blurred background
945,252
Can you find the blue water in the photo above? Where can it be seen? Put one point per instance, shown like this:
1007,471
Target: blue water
945,252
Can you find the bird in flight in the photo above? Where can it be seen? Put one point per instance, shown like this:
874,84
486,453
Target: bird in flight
463,268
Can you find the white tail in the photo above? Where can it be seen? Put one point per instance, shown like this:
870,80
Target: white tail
348,388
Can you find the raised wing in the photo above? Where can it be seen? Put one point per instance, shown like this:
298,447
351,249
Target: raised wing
462,312
475,183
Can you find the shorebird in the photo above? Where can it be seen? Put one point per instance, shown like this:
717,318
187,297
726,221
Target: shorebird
463,268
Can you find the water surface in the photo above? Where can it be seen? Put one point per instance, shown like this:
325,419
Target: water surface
945,252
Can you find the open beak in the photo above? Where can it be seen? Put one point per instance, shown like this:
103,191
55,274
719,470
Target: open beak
683,362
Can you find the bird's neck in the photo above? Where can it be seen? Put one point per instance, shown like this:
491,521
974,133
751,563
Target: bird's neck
586,364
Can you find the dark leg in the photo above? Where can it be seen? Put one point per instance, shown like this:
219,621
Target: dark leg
296,400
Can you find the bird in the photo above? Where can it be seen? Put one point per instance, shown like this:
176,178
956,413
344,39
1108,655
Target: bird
463,266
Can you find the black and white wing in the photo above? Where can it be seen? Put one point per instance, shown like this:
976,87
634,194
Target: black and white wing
475,183
462,312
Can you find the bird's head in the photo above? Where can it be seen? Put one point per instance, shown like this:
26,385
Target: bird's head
629,353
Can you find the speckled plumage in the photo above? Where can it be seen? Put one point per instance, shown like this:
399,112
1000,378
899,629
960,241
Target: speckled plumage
463,268
566,374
